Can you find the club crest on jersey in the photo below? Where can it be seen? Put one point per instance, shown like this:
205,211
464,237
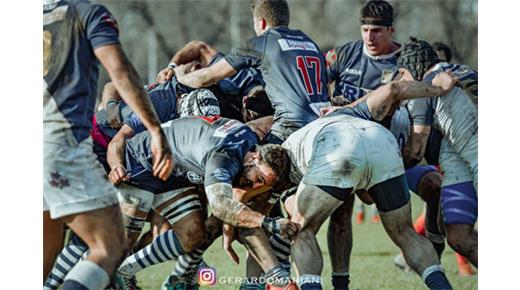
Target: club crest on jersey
194,177
386,76
287,44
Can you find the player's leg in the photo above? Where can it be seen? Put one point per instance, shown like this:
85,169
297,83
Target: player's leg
312,206
459,203
76,190
339,241
106,241
52,241
425,181
67,259
182,209
185,270
135,205
393,201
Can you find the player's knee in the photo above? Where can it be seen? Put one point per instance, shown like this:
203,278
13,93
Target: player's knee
192,235
430,186
458,237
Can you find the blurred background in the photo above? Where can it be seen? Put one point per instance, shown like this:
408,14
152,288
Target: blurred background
151,31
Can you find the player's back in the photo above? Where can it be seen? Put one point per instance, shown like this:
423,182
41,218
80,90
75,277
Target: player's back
192,139
71,30
293,69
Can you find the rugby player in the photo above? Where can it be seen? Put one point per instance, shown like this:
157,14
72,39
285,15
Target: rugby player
76,191
230,156
290,63
455,116
357,68
339,154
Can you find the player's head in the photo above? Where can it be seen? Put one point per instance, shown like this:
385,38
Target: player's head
443,51
377,17
268,165
269,13
416,58
256,104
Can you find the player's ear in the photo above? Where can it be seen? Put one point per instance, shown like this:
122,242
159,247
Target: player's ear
263,23
392,29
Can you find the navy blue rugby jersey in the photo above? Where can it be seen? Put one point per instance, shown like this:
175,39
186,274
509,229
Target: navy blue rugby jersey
355,72
72,30
294,72
206,150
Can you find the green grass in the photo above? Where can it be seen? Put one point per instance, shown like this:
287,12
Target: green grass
371,263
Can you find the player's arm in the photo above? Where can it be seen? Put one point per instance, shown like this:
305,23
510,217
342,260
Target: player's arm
193,51
414,149
381,100
127,83
115,155
108,95
204,77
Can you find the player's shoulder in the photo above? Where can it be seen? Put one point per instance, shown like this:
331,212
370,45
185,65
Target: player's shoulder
345,53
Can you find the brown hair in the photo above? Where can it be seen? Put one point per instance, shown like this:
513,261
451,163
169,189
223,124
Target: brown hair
275,12
276,157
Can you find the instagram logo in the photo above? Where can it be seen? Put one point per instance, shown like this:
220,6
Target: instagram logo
207,276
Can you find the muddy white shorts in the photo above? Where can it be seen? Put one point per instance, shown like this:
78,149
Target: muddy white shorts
73,179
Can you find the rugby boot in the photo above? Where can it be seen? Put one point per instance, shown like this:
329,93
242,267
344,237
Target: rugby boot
123,282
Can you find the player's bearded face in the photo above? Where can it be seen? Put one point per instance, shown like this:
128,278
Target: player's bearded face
377,38
256,175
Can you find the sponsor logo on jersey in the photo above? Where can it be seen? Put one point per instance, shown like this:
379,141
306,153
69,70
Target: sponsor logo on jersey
228,128
353,71
194,177
221,174
287,44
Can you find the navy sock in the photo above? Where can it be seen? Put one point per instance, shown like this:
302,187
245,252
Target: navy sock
438,281
311,286
73,285
340,282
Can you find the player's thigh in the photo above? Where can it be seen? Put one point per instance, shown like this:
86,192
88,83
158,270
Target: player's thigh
73,179
183,211
100,228
135,205
312,206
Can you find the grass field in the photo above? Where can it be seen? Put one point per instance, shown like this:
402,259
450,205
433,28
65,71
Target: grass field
371,263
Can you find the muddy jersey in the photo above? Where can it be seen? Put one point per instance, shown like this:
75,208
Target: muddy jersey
399,125
293,69
453,114
355,72
72,30
206,150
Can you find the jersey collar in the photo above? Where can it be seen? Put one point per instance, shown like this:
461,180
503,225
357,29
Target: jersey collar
384,56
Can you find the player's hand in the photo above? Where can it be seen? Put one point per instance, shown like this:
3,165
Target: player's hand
445,80
118,174
327,110
162,156
165,75
280,226
184,69
228,236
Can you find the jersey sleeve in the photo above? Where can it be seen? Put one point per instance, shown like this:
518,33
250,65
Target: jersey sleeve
331,59
421,111
221,167
250,55
99,24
